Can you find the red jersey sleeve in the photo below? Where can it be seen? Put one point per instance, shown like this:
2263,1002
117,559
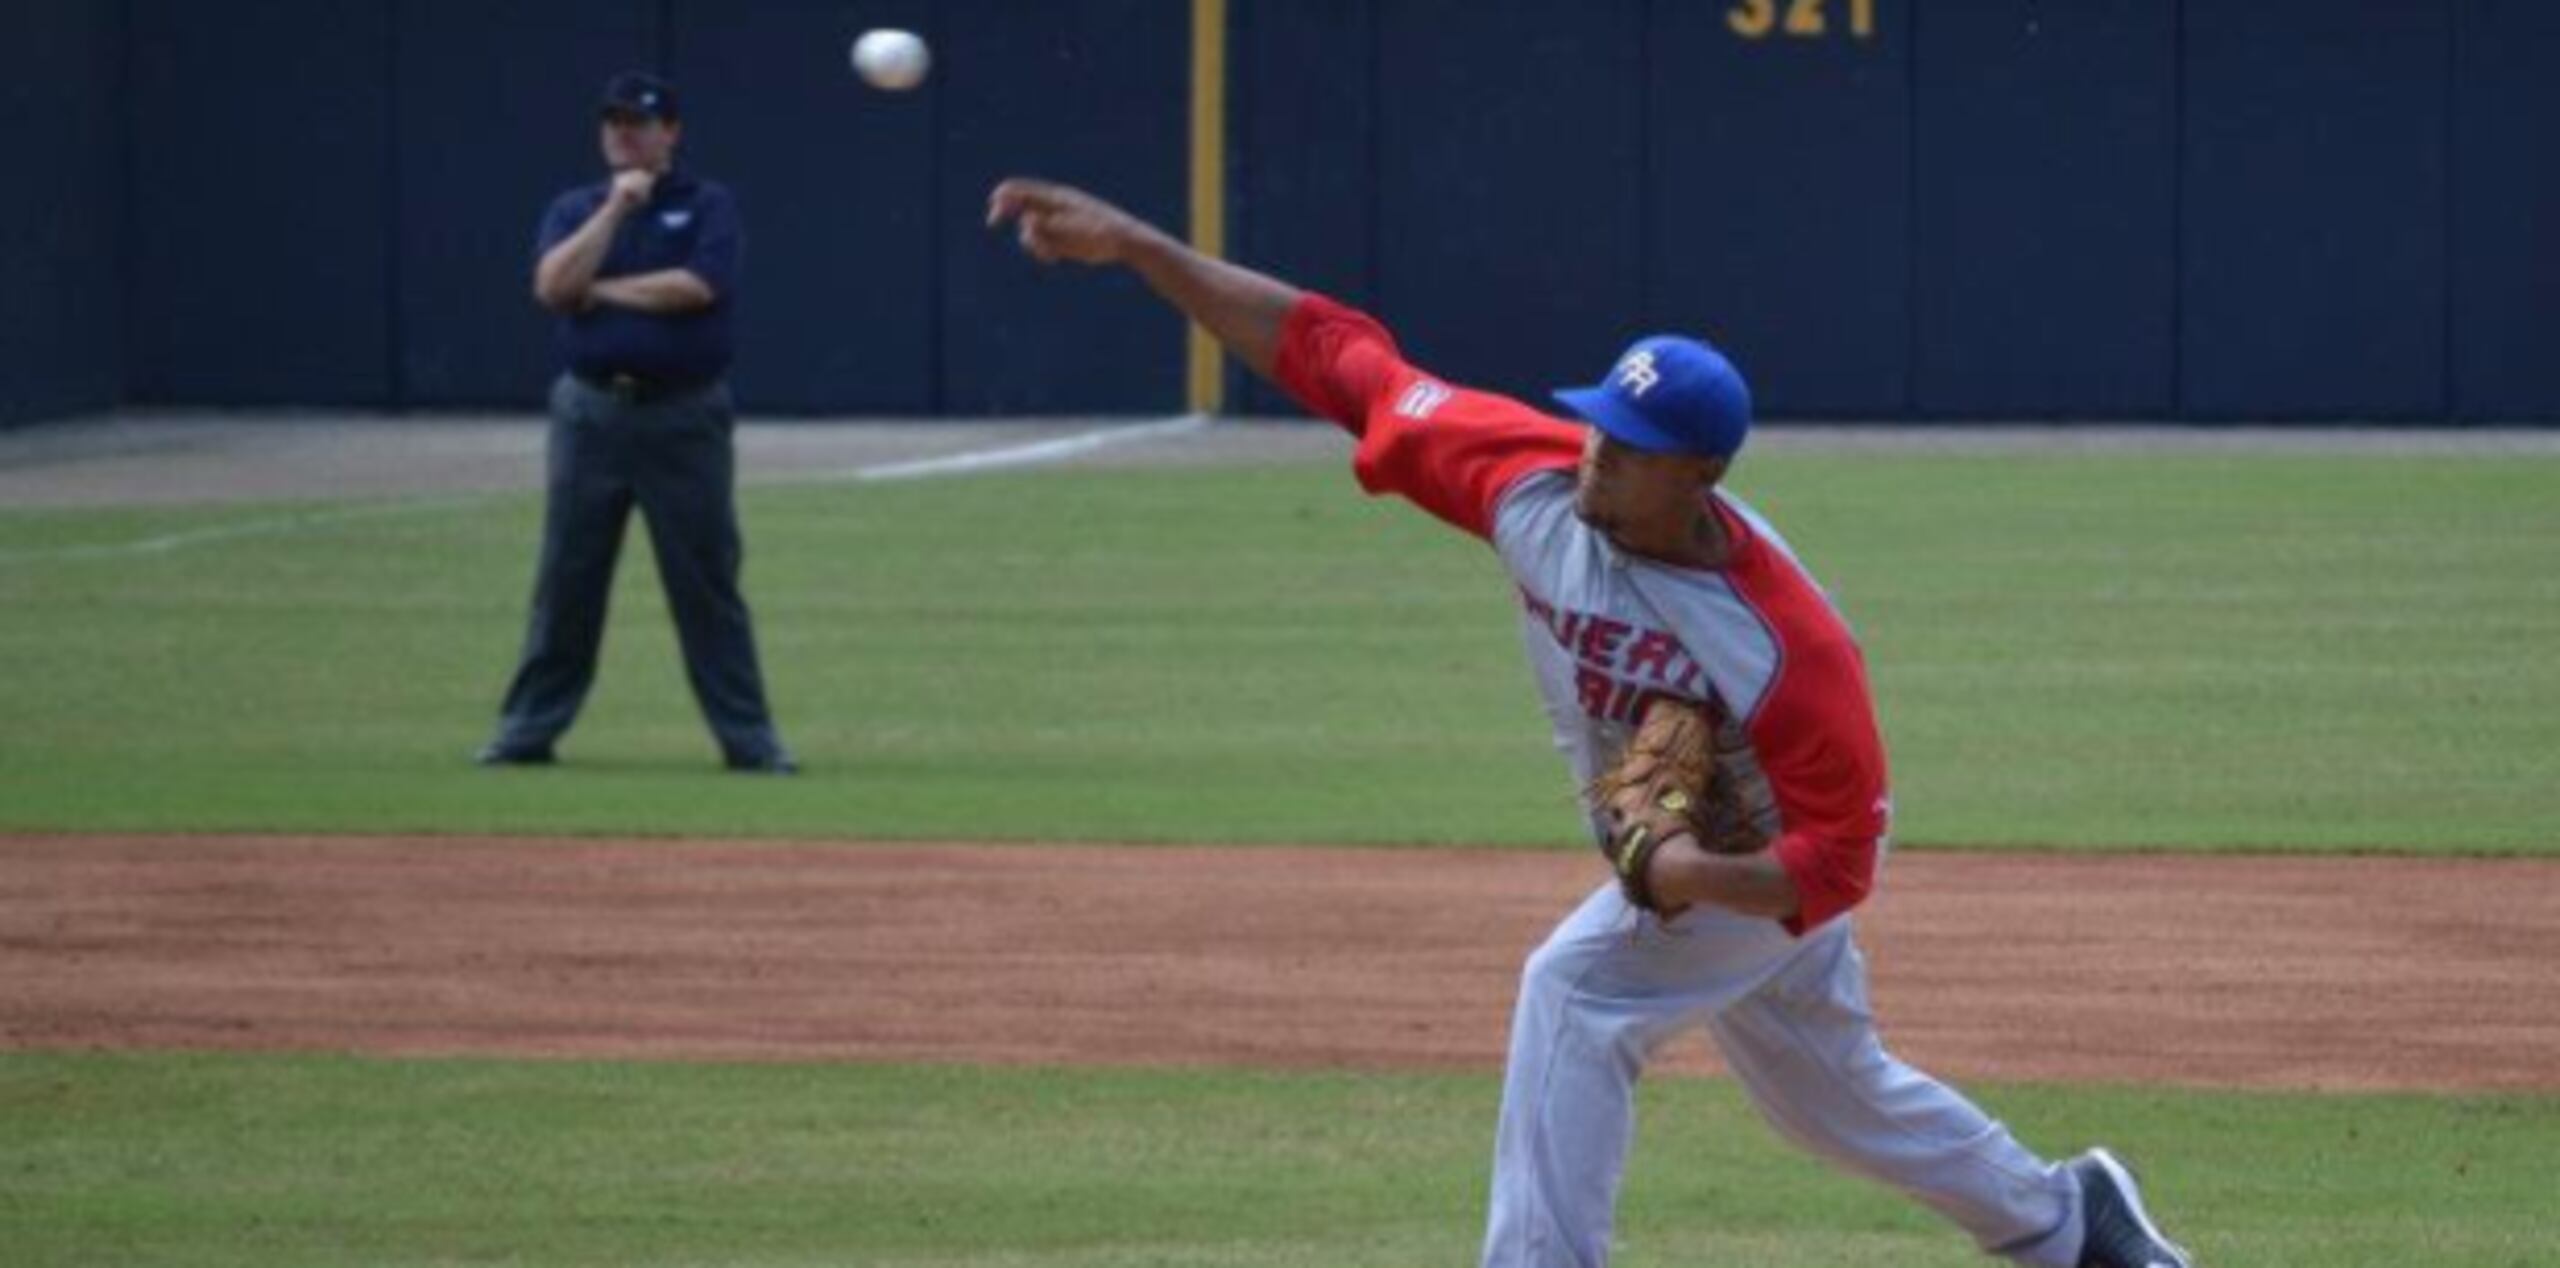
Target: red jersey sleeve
1450,450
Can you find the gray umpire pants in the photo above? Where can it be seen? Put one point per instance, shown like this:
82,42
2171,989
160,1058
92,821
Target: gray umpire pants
671,456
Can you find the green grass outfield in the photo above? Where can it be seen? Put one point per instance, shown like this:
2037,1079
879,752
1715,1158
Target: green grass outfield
274,1162
2267,651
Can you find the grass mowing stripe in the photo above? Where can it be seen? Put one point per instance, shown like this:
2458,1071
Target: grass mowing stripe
279,1161
2271,651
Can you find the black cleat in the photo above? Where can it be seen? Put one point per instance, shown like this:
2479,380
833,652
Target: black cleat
507,753
2116,1231
777,761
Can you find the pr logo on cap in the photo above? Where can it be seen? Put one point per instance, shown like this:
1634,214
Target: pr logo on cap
1636,373
1669,394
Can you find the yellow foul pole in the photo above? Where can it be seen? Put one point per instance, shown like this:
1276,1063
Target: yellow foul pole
1203,383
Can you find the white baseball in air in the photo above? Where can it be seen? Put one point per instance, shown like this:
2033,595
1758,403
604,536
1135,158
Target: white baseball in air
891,60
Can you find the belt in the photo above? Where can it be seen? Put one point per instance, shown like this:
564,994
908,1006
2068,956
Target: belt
634,388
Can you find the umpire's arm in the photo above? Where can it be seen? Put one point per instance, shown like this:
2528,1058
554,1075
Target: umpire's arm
699,282
666,291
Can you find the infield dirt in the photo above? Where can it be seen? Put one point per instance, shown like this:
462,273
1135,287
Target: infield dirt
2266,972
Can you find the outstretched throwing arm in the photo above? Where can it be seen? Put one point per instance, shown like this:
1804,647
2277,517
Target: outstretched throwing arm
1242,309
1337,362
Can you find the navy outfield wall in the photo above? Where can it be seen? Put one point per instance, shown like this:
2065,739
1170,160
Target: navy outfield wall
2312,205
61,259
2504,221
2208,209
2001,209
2043,266
261,209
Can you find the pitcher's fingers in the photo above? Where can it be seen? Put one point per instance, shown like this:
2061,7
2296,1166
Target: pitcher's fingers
1034,236
1004,200
1016,194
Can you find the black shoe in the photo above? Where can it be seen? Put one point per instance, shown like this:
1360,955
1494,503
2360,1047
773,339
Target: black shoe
2116,1231
774,761
512,753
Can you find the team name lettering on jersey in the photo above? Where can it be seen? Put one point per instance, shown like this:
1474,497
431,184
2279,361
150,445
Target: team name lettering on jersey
1619,668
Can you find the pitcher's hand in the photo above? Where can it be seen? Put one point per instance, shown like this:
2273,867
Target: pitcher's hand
1060,222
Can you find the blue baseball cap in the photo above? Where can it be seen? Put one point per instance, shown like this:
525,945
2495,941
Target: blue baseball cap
634,93
1668,394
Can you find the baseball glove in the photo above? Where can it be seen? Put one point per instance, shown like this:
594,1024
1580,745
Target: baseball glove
1669,783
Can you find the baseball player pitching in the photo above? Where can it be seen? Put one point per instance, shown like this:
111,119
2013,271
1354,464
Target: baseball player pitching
1715,706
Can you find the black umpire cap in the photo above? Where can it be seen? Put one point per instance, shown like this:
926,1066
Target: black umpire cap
635,93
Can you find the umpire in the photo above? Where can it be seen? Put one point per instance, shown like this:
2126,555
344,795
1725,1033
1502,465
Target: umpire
642,270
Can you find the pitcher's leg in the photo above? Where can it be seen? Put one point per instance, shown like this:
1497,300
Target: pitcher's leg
1602,994
1568,1109
1805,1047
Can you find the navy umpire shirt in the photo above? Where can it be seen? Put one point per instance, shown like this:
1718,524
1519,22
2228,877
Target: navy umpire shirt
688,224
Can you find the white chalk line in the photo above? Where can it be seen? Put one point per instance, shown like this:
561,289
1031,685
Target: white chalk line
1003,457
269,527
1032,453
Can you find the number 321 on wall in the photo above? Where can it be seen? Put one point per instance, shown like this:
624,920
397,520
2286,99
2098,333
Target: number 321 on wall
1803,19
